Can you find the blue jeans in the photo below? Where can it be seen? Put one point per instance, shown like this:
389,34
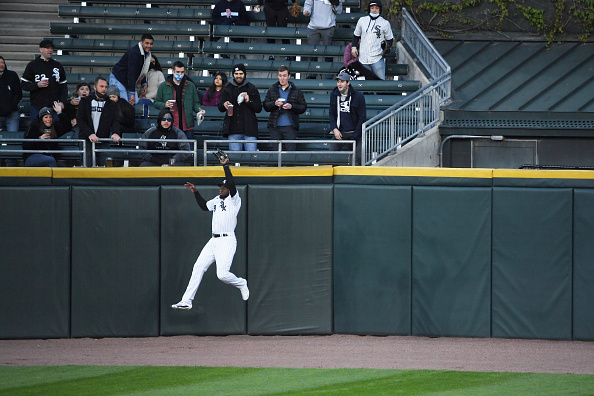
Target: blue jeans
124,94
240,146
379,68
41,160
12,121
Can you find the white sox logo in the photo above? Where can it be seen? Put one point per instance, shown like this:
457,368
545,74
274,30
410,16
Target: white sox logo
164,142
378,31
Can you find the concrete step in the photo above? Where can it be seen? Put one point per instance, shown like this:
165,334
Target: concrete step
30,31
28,7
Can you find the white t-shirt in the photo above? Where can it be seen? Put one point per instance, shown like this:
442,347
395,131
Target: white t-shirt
224,217
372,33
96,110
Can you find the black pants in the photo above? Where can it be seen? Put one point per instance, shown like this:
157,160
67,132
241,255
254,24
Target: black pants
284,133
276,18
348,146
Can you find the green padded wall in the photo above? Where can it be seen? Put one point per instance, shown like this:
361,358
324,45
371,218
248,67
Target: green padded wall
35,262
583,265
532,250
451,262
115,261
217,308
290,259
372,260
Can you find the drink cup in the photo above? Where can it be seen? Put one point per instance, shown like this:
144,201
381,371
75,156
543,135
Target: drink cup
171,161
230,110
282,100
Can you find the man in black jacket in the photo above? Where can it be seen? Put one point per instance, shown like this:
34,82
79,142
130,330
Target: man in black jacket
98,117
285,102
133,64
244,100
11,94
45,78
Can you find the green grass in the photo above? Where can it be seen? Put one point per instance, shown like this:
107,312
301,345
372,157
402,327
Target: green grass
134,380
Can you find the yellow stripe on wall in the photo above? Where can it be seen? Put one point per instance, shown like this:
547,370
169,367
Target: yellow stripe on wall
422,172
25,172
543,174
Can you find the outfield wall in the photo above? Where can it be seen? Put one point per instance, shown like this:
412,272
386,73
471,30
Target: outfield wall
386,251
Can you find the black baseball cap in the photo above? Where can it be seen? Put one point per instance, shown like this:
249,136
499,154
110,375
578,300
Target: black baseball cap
46,44
224,183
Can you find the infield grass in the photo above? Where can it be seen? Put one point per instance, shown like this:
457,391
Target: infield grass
134,380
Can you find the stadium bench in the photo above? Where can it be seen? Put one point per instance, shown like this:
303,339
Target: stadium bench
345,3
176,14
128,29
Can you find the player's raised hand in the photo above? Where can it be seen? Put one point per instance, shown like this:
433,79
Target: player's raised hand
190,187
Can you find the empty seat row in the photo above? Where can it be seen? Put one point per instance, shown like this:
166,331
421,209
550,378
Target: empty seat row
175,14
345,3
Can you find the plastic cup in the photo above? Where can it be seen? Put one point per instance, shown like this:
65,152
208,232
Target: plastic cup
230,110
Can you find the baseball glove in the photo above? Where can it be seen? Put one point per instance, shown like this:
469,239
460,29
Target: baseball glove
221,155
295,10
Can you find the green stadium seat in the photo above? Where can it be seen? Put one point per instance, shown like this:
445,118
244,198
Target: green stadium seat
127,29
346,3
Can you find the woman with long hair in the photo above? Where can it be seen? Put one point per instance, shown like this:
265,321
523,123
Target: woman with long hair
212,97
44,129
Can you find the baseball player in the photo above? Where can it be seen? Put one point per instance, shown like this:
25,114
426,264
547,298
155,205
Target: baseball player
221,247
373,40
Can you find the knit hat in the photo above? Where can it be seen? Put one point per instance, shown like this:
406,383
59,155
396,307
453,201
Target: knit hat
238,67
113,90
45,111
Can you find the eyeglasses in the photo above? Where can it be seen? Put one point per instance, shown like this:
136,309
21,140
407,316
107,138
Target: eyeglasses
166,119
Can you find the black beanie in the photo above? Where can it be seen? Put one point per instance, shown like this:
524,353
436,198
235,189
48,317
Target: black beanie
239,66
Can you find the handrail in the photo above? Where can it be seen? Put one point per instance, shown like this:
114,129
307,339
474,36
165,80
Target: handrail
279,151
193,153
22,151
416,113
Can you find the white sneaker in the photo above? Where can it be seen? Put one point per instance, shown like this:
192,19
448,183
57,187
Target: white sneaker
245,292
182,305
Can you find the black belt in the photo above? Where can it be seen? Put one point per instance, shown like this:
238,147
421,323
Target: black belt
219,235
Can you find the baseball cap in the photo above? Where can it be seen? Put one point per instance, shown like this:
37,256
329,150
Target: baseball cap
46,44
224,183
344,76
45,111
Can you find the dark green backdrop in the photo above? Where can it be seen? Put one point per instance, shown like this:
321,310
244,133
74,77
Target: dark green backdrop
426,257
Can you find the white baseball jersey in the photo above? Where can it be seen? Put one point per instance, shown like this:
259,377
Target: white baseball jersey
224,218
372,33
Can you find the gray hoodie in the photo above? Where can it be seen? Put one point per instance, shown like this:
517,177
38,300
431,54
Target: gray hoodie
322,14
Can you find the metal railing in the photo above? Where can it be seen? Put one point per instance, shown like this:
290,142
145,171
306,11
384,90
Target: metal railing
62,142
279,152
127,150
415,114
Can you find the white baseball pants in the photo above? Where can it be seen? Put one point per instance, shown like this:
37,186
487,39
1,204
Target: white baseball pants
220,250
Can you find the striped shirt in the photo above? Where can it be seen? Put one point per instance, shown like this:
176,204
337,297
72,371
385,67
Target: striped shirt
224,218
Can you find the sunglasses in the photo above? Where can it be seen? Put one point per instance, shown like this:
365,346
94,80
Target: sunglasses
167,119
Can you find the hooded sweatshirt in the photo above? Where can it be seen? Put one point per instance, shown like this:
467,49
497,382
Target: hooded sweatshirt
10,92
166,134
323,14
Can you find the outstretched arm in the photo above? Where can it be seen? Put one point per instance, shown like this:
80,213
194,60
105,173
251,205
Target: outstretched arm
201,201
229,177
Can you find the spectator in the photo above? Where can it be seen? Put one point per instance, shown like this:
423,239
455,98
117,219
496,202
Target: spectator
322,21
285,102
11,94
179,94
126,110
148,91
131,68
231,13
374,37
81,90
45,128
347,114
354,67
212,97
244,99
166,131
277,15
45,78
98,117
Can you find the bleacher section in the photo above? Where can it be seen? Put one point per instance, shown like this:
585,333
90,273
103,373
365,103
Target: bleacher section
98,33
